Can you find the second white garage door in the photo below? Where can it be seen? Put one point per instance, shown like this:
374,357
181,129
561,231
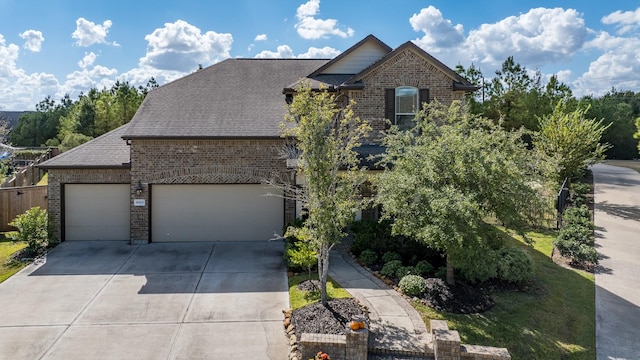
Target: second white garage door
214,213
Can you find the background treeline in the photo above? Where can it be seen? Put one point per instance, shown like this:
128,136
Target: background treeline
69,123
516,97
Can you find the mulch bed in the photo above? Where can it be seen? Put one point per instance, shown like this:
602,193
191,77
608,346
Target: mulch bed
332,319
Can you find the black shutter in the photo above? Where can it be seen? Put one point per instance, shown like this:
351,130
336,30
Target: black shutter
423,97
389,106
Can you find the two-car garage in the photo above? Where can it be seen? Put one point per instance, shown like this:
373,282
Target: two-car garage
180,212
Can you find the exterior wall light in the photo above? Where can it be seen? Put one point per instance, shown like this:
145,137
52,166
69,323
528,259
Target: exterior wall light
139,188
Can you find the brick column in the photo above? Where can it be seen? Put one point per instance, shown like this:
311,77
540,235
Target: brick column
446,343
357,344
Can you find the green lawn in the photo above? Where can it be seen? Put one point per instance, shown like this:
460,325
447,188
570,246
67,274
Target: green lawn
298,298
554,320
7,247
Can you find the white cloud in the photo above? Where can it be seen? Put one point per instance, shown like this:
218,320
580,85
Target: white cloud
33,39
8,57
309,27
180,46
320,53
19,90
439,32
618,66
625,21
261,37
141,75
87,60
285,52
538,37
88,33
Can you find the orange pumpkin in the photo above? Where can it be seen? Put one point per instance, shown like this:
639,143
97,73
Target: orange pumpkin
355,325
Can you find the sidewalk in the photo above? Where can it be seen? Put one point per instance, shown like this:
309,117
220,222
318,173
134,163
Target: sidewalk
396,327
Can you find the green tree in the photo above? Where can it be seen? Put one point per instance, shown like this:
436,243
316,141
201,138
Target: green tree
72,140
450,173
618,109
572,140
35,128
326,135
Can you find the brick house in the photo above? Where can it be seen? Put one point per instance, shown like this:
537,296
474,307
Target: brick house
191,163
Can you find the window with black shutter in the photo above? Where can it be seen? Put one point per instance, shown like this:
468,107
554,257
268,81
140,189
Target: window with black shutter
402,104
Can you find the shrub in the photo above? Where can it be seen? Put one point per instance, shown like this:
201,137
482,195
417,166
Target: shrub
514,265
575,233
390,256
580,189
391,268
412,285
32,229
578,216
368,257
404,271
575,250
423,268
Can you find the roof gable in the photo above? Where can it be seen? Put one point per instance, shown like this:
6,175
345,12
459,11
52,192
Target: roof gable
460,83
356,58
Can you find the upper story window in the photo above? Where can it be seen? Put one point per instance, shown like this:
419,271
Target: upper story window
406,106
403,103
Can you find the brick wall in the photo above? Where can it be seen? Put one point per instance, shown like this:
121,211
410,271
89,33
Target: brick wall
407,68
175,161
59,177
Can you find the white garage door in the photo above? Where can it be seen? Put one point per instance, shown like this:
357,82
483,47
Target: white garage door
214,213
96,212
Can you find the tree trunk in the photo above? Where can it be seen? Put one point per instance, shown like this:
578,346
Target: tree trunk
450,276
323,269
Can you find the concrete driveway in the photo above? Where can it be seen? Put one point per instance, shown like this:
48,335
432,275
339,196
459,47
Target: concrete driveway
112,300
617,220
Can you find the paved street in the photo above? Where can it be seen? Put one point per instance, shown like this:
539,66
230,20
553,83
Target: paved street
112,300
617,219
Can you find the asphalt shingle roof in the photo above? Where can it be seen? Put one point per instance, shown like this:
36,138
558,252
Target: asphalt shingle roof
233,98
106,151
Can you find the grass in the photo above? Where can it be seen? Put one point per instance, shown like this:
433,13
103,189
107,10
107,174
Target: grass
298,298
7,248
555,319
631,164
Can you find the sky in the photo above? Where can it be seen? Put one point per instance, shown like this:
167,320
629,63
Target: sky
53,48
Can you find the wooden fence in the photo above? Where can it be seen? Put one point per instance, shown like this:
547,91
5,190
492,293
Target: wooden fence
30,174
17,200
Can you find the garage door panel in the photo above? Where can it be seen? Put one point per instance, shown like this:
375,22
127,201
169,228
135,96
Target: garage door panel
97,212
214,213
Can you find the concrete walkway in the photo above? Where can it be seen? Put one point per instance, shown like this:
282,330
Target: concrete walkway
395,325
617,220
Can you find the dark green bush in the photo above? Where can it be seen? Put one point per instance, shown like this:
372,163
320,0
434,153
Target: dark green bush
578,216
404,271
391,268
580,189
576,233
576,251
368,257
390,255
423,268
514,265
441,273
412,285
